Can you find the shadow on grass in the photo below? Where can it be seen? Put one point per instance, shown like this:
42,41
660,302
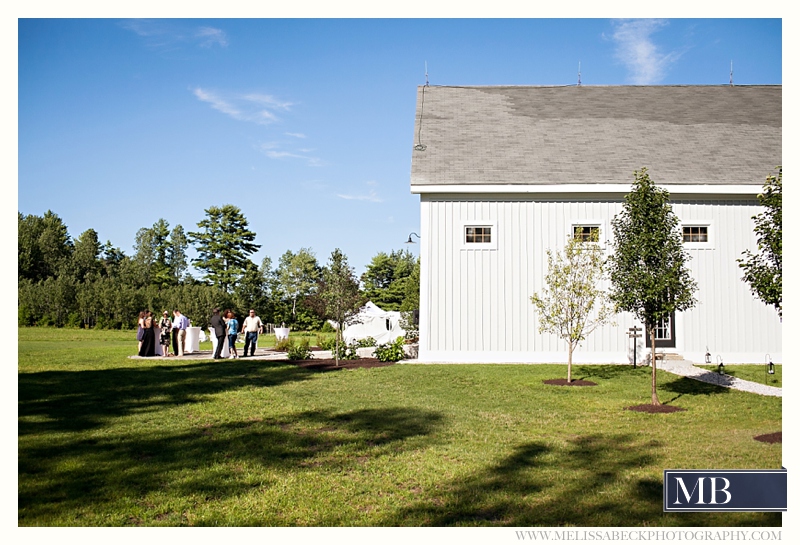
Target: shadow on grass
604,372
210,461
687,386
80,400
588,482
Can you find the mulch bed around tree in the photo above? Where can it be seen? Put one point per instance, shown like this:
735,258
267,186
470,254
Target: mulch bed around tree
330,364
563,382
650,408
776,437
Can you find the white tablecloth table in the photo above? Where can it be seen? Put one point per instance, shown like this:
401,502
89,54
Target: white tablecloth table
225,350
192,340
281,333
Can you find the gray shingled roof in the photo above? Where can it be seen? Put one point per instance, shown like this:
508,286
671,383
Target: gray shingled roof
596,134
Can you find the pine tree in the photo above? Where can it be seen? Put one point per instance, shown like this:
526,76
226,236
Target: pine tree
224,245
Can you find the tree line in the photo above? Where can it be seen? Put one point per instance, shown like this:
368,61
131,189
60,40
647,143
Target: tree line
82,282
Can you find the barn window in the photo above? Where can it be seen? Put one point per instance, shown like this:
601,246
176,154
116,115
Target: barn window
695,233
478,235
698,234
586,233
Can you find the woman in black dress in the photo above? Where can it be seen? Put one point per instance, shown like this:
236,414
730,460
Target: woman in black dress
148,349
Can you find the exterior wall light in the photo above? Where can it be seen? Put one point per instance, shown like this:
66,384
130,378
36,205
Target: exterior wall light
721,366
708,357
409,241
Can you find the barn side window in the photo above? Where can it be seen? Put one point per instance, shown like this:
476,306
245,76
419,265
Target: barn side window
698,235
695,233
586,233
477,234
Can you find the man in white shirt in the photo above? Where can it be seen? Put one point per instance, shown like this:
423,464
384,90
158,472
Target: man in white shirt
250,328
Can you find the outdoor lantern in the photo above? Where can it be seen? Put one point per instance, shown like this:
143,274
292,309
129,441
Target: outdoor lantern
409,241
771,366
708,356
721,366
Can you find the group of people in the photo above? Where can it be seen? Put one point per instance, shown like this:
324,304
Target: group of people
227,324
175,331
171,330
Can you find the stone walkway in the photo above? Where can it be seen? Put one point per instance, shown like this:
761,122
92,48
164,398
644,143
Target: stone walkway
686,369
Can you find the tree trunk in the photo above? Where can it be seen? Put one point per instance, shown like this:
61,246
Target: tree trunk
654,396
569,364
336,353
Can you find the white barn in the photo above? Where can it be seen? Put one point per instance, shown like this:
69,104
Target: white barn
504,173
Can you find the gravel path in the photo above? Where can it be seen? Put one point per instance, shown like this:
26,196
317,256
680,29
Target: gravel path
686,369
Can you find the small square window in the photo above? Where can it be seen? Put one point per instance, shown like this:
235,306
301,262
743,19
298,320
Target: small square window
695,233
478,235
586,233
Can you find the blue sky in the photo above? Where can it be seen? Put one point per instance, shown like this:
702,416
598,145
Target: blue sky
306,125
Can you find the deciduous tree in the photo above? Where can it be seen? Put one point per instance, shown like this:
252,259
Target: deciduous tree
572,302
763,271
339,293
648,269
297,276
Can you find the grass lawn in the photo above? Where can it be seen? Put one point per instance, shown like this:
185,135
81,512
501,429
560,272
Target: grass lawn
105,440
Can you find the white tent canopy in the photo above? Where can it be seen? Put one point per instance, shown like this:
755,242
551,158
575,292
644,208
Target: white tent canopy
372,321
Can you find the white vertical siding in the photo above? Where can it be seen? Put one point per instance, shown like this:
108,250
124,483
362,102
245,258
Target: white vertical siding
475,304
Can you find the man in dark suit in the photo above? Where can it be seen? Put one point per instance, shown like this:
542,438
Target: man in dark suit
218,325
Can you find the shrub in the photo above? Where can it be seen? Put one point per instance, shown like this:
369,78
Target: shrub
366,343
327,327
300,351
326,343
283,345
391,351
347,352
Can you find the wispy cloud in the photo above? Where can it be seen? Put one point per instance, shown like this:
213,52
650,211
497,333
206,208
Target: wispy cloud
295,134
209,36
646,62
242,107
268,101
371,195
159,34
273,151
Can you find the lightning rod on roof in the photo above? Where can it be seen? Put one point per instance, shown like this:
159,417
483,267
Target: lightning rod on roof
426,73
579,73
731,80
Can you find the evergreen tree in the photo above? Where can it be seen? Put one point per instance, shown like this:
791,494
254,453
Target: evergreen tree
224,245
648,269
763,271
386,278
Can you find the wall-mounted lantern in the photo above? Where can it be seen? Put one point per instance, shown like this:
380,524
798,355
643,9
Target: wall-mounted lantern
409,241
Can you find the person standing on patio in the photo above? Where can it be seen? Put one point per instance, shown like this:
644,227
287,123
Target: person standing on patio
233,330
250,328
166,328
148,347
219,327
179,326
